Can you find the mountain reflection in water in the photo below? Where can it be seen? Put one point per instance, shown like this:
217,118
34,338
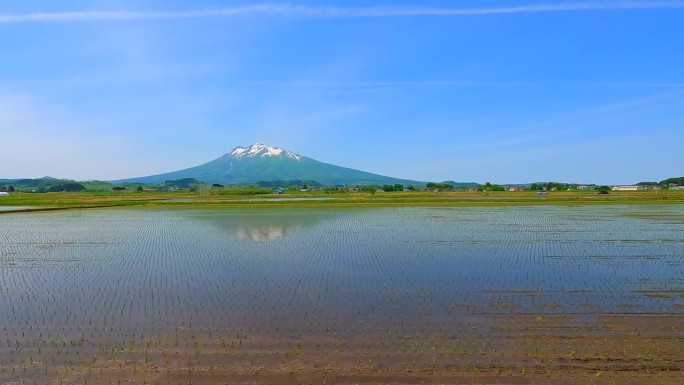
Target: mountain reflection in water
259,226
261,234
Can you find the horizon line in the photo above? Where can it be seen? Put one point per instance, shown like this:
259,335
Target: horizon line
286,10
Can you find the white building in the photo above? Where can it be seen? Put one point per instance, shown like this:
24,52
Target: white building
628,188
3,194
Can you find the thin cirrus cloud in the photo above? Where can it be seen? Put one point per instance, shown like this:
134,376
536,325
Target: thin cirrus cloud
332,11
452,83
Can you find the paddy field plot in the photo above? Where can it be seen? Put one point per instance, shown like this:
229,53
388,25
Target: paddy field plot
525,294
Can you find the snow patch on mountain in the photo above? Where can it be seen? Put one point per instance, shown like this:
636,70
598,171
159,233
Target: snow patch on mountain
262,150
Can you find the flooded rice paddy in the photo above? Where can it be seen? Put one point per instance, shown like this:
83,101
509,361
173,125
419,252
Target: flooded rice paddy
168,296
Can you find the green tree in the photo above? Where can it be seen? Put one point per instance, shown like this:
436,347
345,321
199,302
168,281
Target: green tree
369,189
440,186
67,186
678,181
398,187
139,189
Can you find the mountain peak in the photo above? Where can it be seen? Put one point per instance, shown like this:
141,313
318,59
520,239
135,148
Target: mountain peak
259,162
262,150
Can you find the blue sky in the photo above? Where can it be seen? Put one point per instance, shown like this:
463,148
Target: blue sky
501,91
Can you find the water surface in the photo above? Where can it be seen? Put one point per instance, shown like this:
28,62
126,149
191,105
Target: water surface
15,208
337,271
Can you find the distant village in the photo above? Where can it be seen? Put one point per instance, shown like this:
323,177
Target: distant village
280,187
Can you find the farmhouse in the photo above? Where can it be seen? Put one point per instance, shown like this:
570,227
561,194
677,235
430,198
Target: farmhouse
4,194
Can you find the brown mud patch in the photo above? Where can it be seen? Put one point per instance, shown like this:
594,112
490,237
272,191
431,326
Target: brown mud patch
496,349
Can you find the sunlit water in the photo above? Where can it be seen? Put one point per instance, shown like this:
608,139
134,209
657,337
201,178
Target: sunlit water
15,208
327,270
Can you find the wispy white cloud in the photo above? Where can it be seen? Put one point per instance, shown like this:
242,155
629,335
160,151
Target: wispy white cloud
644,84
40,138
451,83
604,160
396,83
285,10
588,120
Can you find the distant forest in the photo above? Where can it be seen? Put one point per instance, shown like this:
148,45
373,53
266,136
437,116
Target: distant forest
678,181
41,185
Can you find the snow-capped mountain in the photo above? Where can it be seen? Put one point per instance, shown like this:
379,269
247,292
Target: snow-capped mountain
262,150
259,163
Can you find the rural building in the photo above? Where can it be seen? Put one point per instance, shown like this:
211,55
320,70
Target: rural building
627,188
676,187
4,194
279,190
